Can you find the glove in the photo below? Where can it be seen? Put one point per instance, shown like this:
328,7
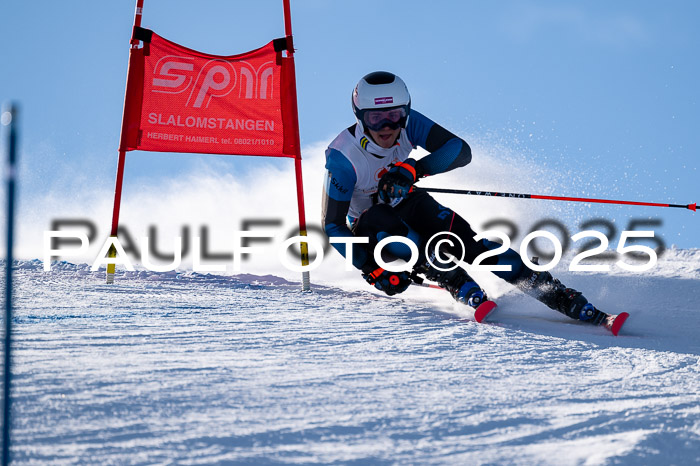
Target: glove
390,283
395,185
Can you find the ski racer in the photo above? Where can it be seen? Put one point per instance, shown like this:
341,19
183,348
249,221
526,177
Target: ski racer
369,192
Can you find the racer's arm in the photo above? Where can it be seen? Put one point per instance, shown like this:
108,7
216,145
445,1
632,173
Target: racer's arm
447,151
337,192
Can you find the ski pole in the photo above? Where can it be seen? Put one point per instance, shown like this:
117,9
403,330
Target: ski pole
417,280
428,285
9,118
470,192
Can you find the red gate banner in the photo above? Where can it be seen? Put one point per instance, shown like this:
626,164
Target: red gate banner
181,100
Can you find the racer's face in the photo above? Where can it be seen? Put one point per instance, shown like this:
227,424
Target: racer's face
385,137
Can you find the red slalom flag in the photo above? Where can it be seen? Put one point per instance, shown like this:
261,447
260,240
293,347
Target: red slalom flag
181,100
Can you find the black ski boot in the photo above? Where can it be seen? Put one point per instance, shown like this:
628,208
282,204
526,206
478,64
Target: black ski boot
550,291
457,281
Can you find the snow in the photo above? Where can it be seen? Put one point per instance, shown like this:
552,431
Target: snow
191,368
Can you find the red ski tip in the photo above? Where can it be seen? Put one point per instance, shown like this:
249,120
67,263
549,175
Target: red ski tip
483,310
693,207
617,323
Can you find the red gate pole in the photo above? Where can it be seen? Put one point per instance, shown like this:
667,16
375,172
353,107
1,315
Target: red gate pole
111,268
306,282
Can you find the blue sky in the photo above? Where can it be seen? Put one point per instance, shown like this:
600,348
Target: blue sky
603,94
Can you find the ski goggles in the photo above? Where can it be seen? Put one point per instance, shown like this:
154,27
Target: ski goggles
391,117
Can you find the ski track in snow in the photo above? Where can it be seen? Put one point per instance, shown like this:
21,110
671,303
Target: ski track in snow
201,369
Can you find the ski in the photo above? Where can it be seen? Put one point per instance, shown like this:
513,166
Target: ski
614,322
483,310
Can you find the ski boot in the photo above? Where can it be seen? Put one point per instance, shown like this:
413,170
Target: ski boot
457,281
550,291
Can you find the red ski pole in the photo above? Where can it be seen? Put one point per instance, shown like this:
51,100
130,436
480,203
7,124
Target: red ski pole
470,192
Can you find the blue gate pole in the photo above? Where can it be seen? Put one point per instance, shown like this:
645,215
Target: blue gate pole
9,118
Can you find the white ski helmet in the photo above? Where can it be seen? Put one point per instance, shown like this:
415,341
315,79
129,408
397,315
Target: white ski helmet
375,95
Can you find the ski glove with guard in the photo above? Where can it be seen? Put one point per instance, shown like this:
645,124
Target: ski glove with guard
395,185
390,283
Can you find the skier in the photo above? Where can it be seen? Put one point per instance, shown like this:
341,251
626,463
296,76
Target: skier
370,181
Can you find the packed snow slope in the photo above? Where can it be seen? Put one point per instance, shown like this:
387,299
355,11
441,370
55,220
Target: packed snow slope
185,368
